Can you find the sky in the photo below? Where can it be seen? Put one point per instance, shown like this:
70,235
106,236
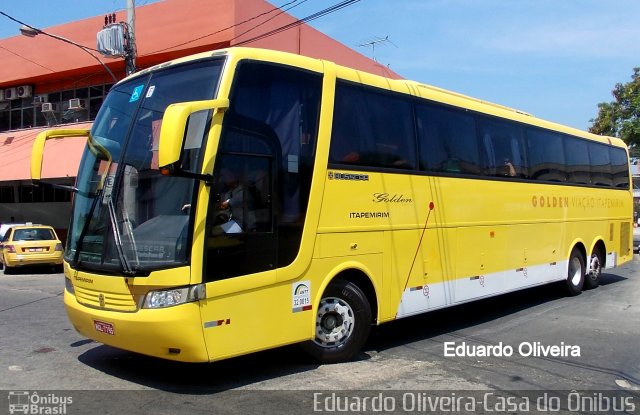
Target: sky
555,59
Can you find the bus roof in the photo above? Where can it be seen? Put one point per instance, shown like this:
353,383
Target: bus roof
397,85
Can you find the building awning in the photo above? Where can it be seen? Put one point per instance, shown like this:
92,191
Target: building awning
61,156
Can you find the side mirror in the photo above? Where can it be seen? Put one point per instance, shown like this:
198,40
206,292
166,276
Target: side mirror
174,126
37,153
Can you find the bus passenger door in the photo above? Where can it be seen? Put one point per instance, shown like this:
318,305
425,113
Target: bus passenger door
266,155
241,248
241,238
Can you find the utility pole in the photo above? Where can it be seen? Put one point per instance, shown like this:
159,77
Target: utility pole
118,40
130,56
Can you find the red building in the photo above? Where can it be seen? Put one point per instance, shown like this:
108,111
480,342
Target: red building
47,82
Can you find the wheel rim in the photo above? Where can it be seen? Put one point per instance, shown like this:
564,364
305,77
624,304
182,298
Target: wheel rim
334,322
596,268
575,271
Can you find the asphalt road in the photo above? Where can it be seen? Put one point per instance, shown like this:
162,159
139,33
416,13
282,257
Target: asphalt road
41,354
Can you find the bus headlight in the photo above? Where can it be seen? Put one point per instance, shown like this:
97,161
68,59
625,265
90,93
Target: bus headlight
174,296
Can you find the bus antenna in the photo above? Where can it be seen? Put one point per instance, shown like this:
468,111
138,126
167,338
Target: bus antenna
376,41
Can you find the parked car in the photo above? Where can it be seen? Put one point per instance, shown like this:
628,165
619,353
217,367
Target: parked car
636,240
26,245
5,227
3,231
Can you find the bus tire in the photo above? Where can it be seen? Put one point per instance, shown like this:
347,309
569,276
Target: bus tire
576,273
342,324
592,279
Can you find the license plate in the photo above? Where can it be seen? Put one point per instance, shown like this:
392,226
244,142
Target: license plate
36,249
104,327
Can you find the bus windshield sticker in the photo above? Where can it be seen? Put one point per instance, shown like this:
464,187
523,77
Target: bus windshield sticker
135,95
108,189
301,296
150,91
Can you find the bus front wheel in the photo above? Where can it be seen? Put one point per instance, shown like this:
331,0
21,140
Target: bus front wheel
576,273
342,324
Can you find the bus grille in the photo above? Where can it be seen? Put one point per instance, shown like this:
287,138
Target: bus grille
106,301
625,235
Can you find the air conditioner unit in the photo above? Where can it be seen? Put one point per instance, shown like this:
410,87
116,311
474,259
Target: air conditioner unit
24,91
76,104
49,107
40,99
10,93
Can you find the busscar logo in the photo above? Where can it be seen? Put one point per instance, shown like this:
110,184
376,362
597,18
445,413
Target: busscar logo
357,177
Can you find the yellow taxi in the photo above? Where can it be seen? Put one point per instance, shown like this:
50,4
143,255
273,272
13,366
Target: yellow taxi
25,245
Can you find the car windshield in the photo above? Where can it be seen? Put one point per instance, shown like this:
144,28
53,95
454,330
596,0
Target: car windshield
33,234
127,217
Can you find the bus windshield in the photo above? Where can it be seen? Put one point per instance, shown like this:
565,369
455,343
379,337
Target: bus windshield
127,217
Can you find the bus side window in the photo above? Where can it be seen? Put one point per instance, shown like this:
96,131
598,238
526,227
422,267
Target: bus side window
448,141
502,143
345,144
577,159
373,129
600,165
619,167
545,156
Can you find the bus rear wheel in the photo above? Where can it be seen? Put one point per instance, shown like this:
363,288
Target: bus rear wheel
576,273
343,323
592,279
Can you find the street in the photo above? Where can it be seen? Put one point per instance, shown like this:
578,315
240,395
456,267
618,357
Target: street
596,333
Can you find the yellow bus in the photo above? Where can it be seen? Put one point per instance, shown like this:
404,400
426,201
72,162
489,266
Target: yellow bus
245,199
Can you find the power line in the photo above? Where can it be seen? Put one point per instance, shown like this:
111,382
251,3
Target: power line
17,145
292,3
27,59
309,18
45,33
74,80
228,27
27,139
269,19
332,9
298,22
65,40
23,141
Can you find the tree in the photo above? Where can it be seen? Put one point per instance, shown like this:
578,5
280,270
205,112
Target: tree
621,118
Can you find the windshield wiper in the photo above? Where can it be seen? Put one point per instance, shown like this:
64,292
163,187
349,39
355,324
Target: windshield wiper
101,194
117,239
97,149
85,228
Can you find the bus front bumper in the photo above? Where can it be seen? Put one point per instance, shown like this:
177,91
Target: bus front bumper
173,333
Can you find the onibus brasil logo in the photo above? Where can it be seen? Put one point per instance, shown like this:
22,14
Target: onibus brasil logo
25,402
